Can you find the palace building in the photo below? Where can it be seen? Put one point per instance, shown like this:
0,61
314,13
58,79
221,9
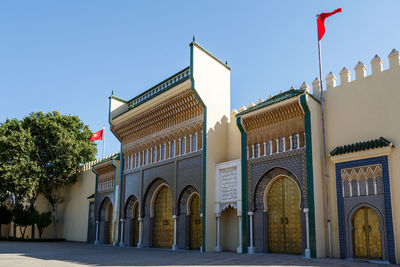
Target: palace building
192,174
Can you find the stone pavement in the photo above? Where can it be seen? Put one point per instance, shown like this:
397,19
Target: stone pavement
83,254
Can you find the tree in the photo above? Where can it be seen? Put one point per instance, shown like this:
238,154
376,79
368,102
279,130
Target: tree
62,146
23,216
18,172
5,216
42,220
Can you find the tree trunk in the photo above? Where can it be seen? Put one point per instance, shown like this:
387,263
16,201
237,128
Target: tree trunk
33,231
54,212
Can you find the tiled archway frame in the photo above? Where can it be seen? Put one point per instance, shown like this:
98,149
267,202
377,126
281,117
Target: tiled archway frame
383,160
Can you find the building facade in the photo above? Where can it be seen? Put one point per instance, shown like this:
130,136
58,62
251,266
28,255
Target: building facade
191,174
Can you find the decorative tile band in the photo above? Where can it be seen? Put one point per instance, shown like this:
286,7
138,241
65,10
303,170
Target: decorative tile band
162,87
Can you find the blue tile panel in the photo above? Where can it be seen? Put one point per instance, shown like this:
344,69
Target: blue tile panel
388,204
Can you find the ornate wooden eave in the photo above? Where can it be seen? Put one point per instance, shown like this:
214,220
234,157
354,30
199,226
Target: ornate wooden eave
175,111
271,117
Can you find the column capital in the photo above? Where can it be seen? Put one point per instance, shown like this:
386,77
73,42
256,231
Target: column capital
305,210
217,215
174,217
140,219
250,213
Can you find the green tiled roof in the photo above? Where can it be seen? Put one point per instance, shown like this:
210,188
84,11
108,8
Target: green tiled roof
361,146
116,156
278,98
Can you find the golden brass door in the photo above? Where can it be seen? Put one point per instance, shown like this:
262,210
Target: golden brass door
163,224
195,223
110,223
135,222
366,234
284,235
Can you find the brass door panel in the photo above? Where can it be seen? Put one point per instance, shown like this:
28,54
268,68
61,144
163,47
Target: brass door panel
163,225
135,226
284,235
110,223
292,217
195,223
275,222
366,234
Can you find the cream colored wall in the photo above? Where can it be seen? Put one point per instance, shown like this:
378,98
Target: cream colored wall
364,109
319,180
229,226
72,213
212,83
76,207
233,138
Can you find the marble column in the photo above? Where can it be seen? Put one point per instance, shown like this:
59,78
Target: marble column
240,249
174,246
251,249
307,252
121,242
218,248
96,242
140,242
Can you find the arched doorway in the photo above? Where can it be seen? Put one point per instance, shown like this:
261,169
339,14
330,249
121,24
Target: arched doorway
109,223
195,223
135,223
366,234
283,227
132,220
163,225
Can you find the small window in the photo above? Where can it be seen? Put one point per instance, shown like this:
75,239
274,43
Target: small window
172,149
162,156
194,142
255,152
153,154
183,146
145,157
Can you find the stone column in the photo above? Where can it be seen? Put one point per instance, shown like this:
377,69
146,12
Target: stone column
240,249
174,246
283,144
121,242
305,143
251,249
218,248
298,141
96,242
291,142
307,253
270,147
277,145
252,148
140,242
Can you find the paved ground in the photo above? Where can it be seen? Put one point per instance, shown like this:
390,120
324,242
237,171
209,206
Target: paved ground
82,254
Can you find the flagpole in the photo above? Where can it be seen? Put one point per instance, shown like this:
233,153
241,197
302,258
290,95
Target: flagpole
328,217
104,140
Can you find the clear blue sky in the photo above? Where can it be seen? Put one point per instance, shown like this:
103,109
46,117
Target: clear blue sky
69,55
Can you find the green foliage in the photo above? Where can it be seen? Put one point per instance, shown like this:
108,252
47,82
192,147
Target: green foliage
42,220
42,153
62,143
23,216
18,171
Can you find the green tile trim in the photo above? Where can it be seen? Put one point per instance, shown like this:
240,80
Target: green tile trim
243,138
204,203
278,98
95,204
361,146
310,175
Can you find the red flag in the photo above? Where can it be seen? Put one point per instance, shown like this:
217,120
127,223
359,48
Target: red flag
320,22
97,136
